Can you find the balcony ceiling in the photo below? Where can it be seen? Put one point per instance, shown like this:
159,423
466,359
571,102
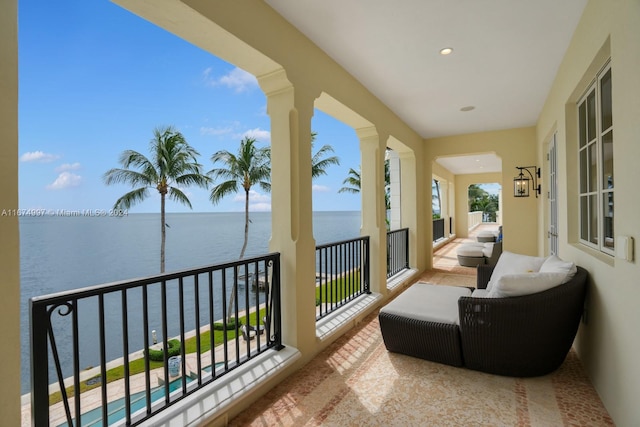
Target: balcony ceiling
505,55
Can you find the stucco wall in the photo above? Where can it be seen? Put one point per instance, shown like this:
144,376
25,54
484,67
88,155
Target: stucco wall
516,147
609,343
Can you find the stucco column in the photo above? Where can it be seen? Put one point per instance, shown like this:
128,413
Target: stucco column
10,245
372,151
291,111
415,209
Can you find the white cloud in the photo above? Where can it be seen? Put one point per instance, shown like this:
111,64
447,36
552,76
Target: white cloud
236,79
65,180
254,197
258,202
216,131
320,188
258,134
38,156
68,167
260,207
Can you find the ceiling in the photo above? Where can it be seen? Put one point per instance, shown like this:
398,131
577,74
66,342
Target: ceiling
505,55
477,163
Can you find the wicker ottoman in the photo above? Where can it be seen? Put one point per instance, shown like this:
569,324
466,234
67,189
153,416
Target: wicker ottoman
471,255
423,322
486,236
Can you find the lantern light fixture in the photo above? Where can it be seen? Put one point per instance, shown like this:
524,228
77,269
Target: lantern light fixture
521,183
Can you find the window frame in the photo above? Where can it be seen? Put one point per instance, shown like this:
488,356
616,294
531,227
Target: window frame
592,189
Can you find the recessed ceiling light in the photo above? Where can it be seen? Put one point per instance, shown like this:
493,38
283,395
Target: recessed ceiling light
468,108
446,51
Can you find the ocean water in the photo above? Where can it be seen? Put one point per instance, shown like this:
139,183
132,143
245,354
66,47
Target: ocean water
63,253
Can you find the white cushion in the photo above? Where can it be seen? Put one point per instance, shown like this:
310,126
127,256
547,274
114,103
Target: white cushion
473,251
480,293
431,303
487,250
510,263
513,285
553,264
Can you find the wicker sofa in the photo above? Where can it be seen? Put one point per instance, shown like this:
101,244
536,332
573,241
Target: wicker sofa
520,336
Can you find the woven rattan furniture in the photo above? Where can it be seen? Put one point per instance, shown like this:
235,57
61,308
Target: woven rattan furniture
486,236
475,254
423,322
521,336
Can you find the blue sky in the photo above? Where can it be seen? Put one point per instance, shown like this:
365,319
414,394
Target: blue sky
96,80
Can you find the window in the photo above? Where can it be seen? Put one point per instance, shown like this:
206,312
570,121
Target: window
595,134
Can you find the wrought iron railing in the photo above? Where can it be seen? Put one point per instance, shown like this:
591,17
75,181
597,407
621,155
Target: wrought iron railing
113,327
342,274
438,229
397,251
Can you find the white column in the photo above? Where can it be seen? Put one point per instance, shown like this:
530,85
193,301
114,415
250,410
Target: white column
372,151
291,111
10,247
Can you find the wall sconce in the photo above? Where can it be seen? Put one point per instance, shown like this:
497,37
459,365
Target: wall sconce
521,182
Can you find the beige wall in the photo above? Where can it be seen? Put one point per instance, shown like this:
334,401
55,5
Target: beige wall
516,147
9,243
609,344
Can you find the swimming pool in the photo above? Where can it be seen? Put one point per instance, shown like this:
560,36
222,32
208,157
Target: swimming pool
116,410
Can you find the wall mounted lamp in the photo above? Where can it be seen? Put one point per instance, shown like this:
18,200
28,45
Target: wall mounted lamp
521,182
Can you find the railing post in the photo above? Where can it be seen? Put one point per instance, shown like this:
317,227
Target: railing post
277,302
367,286
39,364
406,248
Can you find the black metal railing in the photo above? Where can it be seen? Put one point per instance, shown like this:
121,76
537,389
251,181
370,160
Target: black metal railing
342,274
397,251
95,325
438,229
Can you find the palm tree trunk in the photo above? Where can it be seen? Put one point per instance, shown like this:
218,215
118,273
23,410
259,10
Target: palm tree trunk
163,232
244,248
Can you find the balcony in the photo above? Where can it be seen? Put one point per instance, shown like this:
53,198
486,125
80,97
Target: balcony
142,371
356,378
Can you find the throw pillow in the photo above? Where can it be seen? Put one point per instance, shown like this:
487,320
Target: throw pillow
553,264
514,285
510,263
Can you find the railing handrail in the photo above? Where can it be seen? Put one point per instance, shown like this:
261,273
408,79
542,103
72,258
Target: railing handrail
341,242
120,285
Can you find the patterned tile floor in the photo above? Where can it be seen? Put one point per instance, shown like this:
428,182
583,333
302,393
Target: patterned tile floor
355,381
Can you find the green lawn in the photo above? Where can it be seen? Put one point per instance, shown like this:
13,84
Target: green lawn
339,289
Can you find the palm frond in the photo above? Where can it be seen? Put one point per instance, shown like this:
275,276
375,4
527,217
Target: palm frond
177,195
131,198
223,189
127,176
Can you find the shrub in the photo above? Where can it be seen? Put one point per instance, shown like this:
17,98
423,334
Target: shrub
219,326
173,350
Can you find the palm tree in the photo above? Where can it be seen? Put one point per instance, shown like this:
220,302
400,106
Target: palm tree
173,164
319,163
435,185
250,166
354,185
353,182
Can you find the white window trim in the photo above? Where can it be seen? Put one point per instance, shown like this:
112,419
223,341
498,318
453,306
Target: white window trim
600,190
